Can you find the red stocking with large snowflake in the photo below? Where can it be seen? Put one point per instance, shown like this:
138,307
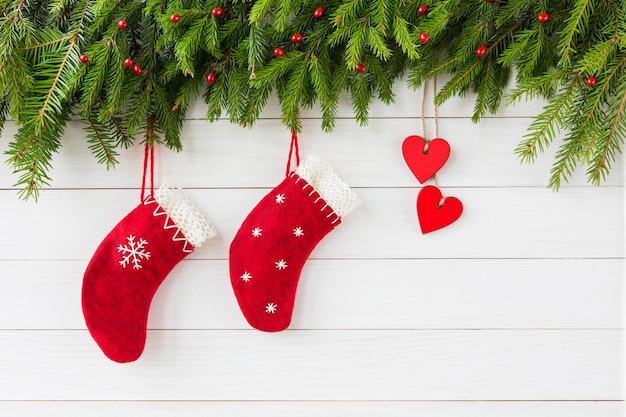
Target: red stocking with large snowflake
130,264
277,237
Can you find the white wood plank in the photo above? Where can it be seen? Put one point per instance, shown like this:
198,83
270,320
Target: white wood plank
318,365
497,223
348,294
222,155
313,408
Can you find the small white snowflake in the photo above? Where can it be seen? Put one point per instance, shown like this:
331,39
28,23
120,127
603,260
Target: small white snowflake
281,264
246,277
133,252
280,198
270,308
256,232
297,232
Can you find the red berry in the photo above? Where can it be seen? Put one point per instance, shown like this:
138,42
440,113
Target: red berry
175,18
543,17
424,37
361,68
137,69
279,52
128,62
211,77
591,81
319,12
297,38
122,24
481,51
217,12
422,9
83,58
489,1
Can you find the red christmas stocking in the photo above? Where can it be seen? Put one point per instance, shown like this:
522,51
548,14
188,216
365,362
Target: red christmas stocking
275,240
130,264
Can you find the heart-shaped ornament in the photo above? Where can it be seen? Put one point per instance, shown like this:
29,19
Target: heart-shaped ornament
425,164
433,216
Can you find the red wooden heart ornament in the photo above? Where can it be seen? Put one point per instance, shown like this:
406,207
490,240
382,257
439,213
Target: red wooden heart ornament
425,164
431,215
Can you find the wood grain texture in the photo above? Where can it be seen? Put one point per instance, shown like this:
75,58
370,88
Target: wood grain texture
226,156
349,294
515,310
313,408
318,365
497,223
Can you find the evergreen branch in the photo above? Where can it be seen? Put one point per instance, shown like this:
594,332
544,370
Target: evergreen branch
46,44
566,159
486,83
70,54
102,145
542,130
260,9
361,95
292,94
348,11
381,16
255,102
597,56
122,139
542,86
41,78
378,45
601,165
458,83
574,25
403,36
380,79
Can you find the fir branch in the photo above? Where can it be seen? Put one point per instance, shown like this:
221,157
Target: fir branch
601,164
486,84
458,83
575,25
349,11
290,99
360,93
568,155
542,130
102,145
403,36
260,9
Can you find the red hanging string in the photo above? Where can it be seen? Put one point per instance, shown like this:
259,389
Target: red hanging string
148,154
293,148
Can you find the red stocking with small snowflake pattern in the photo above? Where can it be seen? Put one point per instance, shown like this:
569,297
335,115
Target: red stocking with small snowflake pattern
130,264
275,240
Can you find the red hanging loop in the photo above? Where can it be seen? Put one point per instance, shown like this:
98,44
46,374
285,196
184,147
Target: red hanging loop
148,154
293,148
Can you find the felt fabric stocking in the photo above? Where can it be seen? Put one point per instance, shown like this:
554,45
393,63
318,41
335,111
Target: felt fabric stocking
275,240
130,264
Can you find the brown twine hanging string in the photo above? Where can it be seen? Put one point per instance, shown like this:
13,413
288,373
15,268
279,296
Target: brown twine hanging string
426,139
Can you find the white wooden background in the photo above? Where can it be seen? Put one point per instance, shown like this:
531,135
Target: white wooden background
515,310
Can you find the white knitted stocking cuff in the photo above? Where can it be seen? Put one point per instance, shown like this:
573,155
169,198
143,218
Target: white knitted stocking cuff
321,176
194,224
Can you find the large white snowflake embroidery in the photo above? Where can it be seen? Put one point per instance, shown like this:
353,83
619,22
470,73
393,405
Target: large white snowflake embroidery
297,232
256,232
281,264
280,198
270,308
246,277
133,252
